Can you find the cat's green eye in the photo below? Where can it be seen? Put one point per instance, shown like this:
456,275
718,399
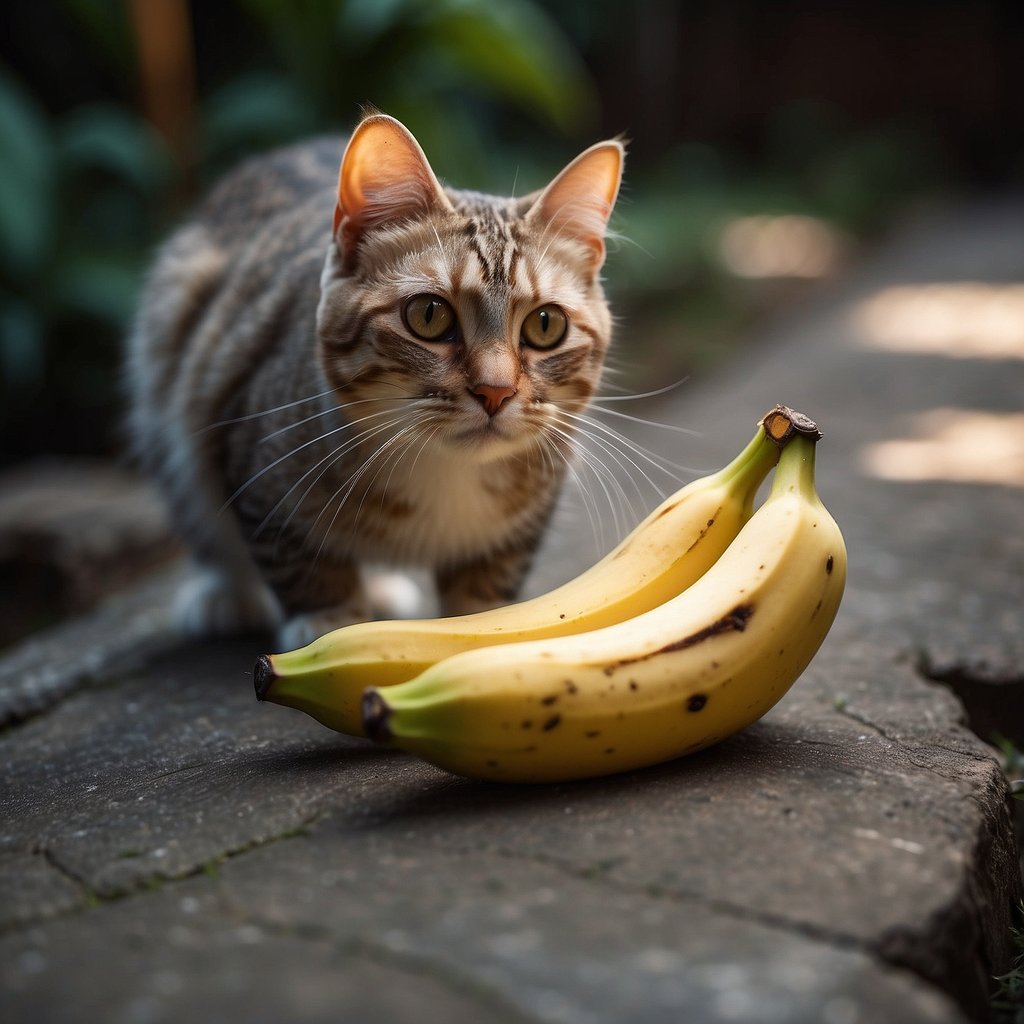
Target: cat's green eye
431,318
545,327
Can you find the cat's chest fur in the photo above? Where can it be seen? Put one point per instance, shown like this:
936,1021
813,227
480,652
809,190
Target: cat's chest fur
449,507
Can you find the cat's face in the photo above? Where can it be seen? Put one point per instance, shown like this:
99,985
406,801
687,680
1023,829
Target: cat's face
474,323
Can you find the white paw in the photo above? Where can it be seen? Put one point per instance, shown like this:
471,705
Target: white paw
213,604
301,630
394,595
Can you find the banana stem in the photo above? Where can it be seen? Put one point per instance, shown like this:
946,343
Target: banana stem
795,471
779,426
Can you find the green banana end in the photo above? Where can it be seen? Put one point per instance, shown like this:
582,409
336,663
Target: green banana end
263,676
376,716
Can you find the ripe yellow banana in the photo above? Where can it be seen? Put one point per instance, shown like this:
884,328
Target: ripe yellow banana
674,546
670,681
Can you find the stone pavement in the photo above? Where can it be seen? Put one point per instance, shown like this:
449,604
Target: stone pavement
171,850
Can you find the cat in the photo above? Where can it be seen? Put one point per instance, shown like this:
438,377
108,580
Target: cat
333,368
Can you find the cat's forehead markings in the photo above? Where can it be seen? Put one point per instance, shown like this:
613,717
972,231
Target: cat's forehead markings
489,237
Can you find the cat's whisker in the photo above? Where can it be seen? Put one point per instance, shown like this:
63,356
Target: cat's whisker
327,462
334,409
287,455
619,454
440,244
564,224
339,453
689,431
264,412
426,440
587,499
347,486
602,473
401,451
658,461
613,442
643,394
346,490
281,458
599,472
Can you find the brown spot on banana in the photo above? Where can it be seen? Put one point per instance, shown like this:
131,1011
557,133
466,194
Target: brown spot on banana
734,621
703,533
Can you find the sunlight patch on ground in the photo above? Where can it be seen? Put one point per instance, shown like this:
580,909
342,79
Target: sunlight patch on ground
788,245
956,445
960,319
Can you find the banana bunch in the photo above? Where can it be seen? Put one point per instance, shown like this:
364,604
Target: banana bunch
670,549
679,664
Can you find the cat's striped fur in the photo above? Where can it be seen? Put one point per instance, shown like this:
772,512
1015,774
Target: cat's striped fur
299,425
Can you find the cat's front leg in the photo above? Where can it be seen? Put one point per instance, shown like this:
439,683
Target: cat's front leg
214,601
489,581
317,600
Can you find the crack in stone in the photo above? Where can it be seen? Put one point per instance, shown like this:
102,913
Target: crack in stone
993,702
89,895
92,897
868,724
490,1000
885,950
598,874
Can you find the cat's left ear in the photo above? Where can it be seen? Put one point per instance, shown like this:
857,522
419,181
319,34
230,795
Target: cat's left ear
384,177
578,203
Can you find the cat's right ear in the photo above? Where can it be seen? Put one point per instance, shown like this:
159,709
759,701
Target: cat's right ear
384,177
578,203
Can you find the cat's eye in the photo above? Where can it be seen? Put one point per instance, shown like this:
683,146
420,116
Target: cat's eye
545,327
431,318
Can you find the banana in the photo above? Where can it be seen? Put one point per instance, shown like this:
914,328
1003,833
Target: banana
670,549
667,682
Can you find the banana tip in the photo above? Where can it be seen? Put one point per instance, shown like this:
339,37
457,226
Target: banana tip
376,715
263,676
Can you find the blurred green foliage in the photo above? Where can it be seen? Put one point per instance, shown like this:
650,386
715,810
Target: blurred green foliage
459,71
80,202
682,301
499,95
85,194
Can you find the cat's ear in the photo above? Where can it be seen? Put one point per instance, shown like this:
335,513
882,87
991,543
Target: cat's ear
578,203
384,177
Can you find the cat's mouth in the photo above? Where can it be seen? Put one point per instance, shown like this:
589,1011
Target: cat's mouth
492,438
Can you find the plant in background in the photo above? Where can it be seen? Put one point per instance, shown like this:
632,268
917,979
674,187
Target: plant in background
80,197
474,77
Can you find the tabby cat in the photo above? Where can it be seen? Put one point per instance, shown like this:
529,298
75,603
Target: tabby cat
329,370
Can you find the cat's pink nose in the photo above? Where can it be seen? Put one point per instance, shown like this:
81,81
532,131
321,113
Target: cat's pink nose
492,396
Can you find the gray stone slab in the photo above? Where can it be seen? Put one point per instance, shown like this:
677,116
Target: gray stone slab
809,828
72,532
51,664
370,931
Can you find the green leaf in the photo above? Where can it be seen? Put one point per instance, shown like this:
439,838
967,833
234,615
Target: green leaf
22,352
99,285
108,138
518,53
254,112
26,181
